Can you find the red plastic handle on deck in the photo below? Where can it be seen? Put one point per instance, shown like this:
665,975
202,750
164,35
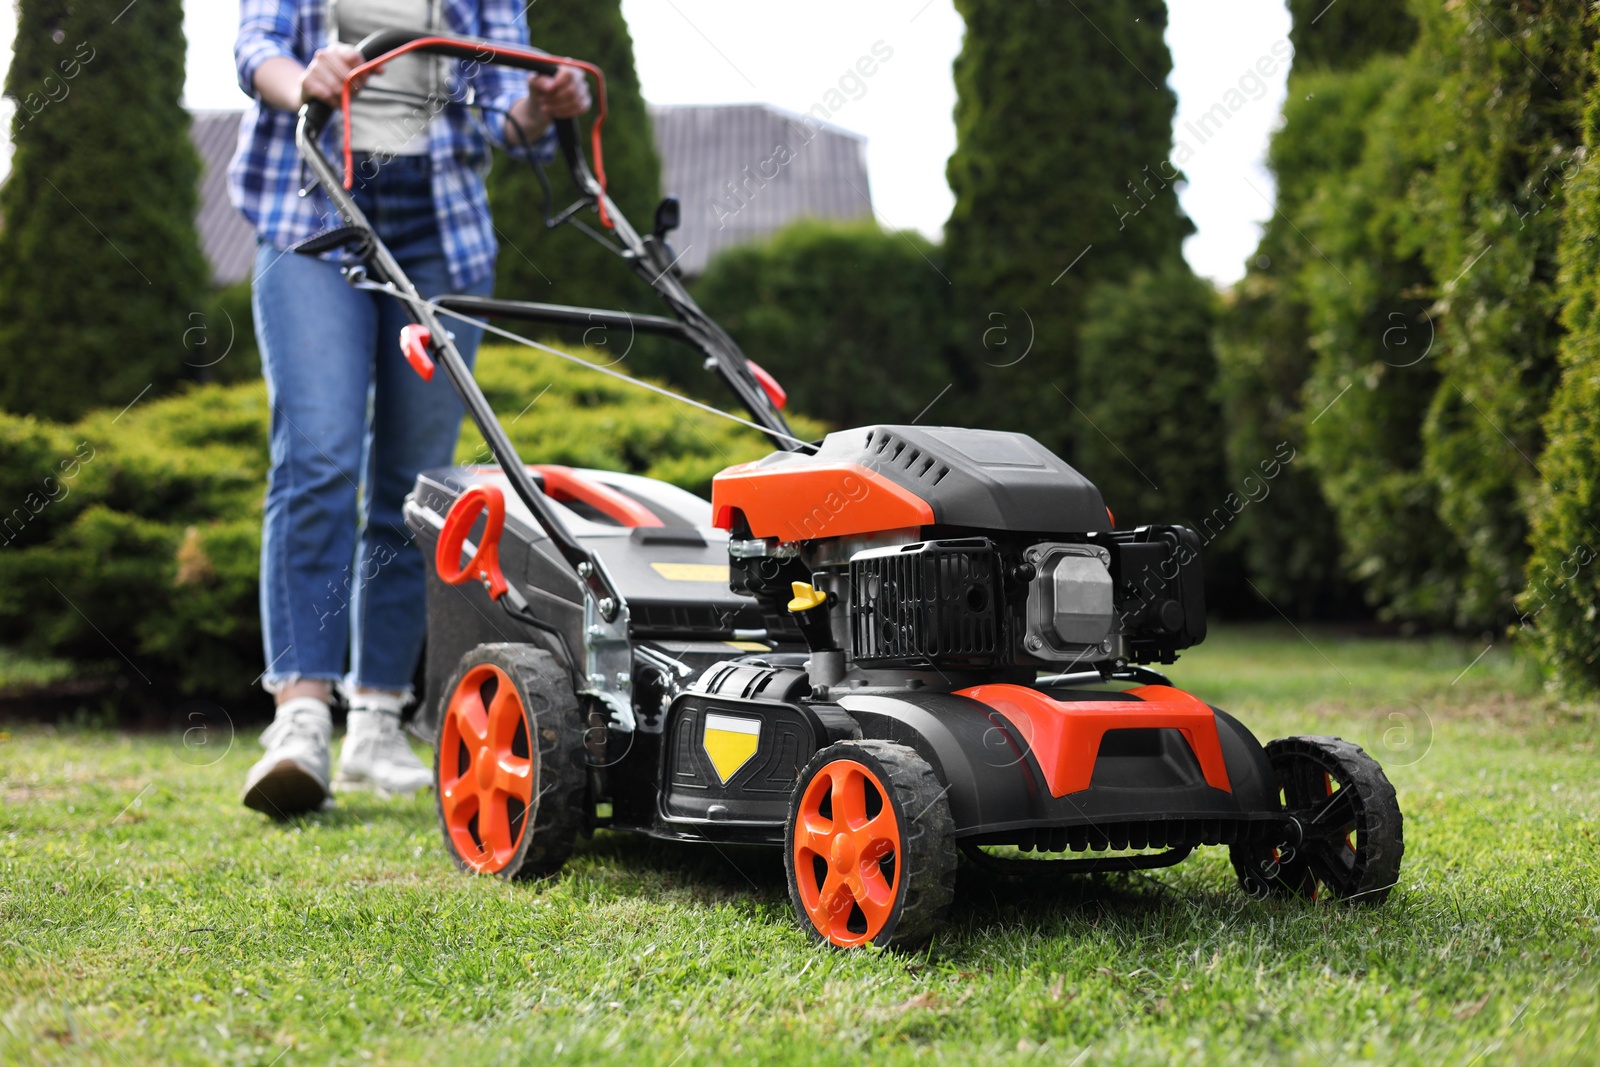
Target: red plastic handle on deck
484,566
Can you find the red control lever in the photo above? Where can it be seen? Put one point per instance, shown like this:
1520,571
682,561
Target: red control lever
484,565
769,385
414,342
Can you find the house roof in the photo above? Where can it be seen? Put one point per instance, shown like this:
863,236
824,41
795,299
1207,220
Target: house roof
740,173
226,238
743,172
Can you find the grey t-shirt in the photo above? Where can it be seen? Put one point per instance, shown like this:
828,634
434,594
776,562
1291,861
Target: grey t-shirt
380,123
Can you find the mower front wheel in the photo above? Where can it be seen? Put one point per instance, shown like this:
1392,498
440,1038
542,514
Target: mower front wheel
869,849
508,769
1350,824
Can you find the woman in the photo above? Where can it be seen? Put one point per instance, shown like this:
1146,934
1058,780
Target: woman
341,580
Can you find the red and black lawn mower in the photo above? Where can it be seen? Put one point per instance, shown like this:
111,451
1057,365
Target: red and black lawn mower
877,652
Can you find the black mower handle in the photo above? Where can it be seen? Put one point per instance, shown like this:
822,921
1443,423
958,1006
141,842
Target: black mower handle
473,50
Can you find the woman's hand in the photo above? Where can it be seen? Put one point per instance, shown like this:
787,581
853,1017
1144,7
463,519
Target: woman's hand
562,95
324,78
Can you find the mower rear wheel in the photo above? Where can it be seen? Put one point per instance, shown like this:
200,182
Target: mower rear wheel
508,769
1352,829
869,848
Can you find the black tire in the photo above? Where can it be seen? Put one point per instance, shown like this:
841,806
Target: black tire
1353,832
551,797
910,886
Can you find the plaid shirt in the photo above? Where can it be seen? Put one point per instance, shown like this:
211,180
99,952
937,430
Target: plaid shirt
267,174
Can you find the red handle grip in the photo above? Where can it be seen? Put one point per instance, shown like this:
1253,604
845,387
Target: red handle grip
484,565
414,343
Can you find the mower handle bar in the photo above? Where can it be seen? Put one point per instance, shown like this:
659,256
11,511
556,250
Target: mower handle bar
473,50
646,256
599,587
697,327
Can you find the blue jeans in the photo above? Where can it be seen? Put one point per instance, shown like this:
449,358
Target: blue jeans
352,425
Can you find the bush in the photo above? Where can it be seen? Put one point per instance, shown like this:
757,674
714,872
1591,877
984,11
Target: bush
1490,210
1147,421
1146,427
100,267
1420,275
1291,549
1344,36
1064,158
136,538
225,350
133,539
850,318
1560,604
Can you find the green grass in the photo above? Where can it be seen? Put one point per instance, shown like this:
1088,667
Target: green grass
146,917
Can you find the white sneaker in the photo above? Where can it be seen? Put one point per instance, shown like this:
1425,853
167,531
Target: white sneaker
375,754
292,778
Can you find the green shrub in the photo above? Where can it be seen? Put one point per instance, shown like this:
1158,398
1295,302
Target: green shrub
1560,605
225,350
146,555
1145,425
1423,205
1491,205
852,319
1290,549
100,267
1064,158
1363,405
1343,36
133,539
1147,421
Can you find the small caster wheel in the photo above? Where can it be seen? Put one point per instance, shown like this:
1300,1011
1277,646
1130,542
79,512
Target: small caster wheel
869,849
1350,824
508,769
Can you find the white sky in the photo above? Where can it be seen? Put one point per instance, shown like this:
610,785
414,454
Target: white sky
739,51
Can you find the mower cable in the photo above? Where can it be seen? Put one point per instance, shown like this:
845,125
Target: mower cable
487,327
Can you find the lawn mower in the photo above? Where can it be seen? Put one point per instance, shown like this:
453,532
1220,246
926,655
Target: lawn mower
876,653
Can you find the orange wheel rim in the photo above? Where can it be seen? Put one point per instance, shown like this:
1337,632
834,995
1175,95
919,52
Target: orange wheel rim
485,769
847,855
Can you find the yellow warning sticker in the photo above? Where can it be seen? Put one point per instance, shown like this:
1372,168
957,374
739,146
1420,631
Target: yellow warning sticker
730,742
692,572
749,646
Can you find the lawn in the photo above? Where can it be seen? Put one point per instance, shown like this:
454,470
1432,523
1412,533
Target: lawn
146,917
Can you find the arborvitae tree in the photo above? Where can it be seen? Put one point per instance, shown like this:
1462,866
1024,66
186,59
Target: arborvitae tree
1344,35
1444,234
1373,348
1064,176
101,275
850,318
1494,199
566,265
1291,549
1560,603
1146,428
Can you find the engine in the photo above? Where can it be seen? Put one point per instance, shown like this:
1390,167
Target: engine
930,557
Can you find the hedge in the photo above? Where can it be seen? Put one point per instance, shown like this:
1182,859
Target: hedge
1064,176
852,319
1559,610
132,540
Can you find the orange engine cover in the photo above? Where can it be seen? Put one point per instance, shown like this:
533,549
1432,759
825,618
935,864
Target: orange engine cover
795,498
878,478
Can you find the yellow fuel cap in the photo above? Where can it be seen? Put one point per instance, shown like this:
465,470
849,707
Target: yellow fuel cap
806,598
